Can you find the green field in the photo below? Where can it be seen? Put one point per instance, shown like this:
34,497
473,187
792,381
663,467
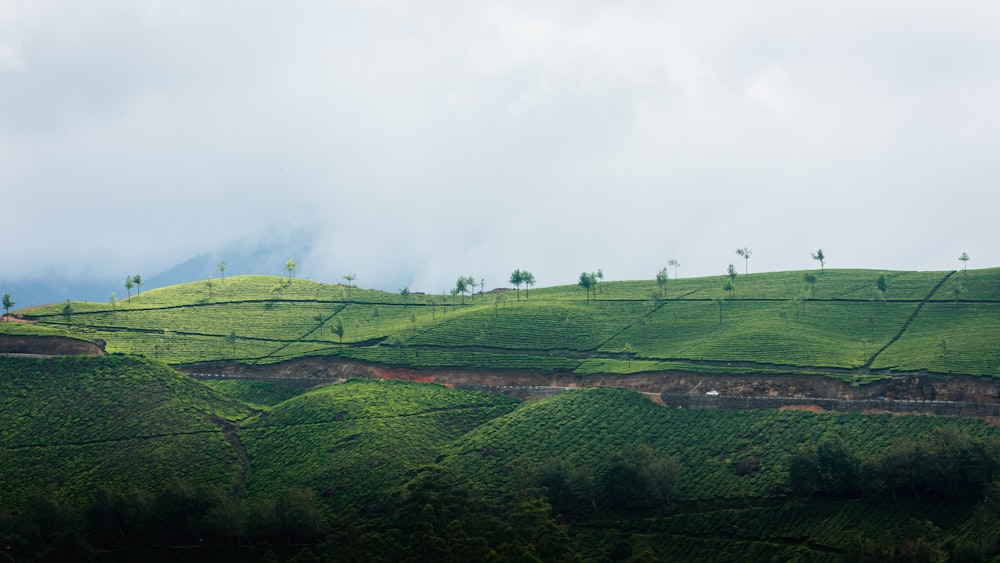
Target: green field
137,455
770,320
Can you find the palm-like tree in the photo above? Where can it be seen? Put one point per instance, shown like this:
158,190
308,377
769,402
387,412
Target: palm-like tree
745,252
821,258
290,268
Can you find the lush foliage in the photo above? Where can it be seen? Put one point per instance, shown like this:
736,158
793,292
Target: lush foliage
136,454
853,319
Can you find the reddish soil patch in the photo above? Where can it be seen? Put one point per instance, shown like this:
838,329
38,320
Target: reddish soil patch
48,346
921,387
16,319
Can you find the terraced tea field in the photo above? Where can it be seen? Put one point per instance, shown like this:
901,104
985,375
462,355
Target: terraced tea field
936,322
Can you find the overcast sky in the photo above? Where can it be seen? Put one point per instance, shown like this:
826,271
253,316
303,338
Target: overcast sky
419,141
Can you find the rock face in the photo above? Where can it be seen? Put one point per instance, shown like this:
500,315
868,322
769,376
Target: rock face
48,346
914,387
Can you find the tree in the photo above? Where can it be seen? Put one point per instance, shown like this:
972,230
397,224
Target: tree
231,339
732,273
661,280
338,329
113,301
729,288
405,292
628,352
810,279
138,284
376,315
745,253
598,277
222,269
882,285
461,286
350,278
290,268
638,478
210,284
957,288
8,303
129,284
516,279
965,261
587,281
67,313
673,262
529,280
718,301
821,257
430,300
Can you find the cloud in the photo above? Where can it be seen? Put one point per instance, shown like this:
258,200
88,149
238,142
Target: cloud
422,142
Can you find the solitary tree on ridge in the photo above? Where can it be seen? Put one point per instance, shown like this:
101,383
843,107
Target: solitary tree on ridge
745,253
821,257
965,261
8,304
675,263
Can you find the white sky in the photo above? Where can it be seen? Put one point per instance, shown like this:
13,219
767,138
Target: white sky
420,141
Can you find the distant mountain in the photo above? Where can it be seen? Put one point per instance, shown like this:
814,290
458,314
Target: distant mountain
259,257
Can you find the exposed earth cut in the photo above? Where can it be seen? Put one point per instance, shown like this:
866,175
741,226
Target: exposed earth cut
49,346
912,387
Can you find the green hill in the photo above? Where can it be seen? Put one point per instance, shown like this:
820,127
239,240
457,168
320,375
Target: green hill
939,322
121,452
108,422
136,454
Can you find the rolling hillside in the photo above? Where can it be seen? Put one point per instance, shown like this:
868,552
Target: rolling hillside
839,326
137,455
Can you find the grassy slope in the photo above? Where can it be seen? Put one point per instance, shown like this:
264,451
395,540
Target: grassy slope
112,420
117,421
773,321
719,514
356,440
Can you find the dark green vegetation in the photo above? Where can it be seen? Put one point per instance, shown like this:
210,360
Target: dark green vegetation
101,456
121,458
856,325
